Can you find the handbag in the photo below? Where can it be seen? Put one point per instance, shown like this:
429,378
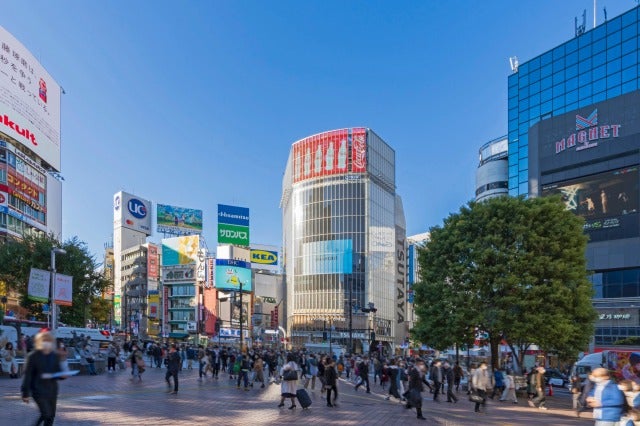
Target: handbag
290,375
475,397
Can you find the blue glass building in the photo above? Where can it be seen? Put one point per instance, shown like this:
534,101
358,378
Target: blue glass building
574,129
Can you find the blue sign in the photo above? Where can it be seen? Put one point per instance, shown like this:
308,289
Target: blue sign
230,273
411,276
136,208
232,215
327,257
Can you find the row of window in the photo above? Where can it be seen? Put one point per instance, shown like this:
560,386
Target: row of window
492,186
613,284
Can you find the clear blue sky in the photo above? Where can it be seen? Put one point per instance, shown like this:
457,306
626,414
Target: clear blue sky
196,103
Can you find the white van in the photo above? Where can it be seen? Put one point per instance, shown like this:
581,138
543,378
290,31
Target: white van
100,339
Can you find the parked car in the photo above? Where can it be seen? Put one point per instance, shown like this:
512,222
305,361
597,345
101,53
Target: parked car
554,377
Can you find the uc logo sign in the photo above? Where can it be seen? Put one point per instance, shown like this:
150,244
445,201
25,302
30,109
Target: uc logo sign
116,203
137,208
264,257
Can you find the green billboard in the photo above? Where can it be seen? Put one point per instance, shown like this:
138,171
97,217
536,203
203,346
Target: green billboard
233,234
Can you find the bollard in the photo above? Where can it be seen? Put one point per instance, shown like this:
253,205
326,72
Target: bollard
550,390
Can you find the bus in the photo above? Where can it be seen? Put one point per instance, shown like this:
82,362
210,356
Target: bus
28,327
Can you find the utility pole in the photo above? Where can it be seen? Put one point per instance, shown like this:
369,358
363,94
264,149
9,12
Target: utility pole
241,307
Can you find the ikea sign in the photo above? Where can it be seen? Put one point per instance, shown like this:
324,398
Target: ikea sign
264,257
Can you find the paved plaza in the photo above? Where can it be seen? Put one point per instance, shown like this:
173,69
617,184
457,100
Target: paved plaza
112,399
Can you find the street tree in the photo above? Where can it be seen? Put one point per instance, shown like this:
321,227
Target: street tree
509,267
17,257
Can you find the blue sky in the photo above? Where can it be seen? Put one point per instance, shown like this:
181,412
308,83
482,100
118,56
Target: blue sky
197,103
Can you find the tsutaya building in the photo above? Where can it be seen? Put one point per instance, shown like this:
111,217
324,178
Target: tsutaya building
344,242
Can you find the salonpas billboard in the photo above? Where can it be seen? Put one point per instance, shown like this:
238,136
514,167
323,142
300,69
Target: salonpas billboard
233,225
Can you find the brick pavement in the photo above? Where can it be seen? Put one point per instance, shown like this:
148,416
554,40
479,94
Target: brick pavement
111,399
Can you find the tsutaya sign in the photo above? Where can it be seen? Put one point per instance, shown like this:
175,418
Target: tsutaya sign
588,132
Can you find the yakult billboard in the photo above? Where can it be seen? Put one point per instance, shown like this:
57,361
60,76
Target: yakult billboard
130,211
29,101
330,153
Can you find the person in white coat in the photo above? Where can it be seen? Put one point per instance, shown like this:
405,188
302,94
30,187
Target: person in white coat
289,386
509,393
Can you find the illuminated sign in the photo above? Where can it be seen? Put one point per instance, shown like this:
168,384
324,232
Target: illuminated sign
588,132
264,257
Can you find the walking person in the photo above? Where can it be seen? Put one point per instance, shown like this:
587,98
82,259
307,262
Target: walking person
606,399
243,372
258,369
38,381
540,399
436,377
8,360
112,354
312,370
363,372
137,362
88,360
458,374
509,393
449,375
174,364
331,381
498,380
416,386
289,384
480,383
394,379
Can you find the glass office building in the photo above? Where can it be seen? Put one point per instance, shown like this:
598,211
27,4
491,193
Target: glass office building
574,130
344,233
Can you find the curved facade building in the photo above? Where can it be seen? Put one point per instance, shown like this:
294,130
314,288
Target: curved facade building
344,241
492,176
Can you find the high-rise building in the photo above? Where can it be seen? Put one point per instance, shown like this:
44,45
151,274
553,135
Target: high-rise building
574,130
30,180
492,172
344,255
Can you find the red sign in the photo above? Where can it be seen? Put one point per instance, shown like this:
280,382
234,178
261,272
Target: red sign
359,150
152,261
165,305
324,154
20,185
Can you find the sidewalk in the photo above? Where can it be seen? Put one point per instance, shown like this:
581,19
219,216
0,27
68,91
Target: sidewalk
112,399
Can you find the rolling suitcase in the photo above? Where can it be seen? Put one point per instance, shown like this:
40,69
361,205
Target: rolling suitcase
303,398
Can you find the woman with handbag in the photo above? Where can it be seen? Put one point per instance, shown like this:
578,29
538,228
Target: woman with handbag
137,363
481,383
289,384
8,360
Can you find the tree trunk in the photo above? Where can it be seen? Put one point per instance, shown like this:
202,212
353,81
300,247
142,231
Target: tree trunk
494,343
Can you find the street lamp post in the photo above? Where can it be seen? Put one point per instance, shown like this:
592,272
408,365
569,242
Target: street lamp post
54,310
241,307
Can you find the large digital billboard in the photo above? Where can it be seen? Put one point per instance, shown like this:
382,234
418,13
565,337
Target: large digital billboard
607,201
29,101
180,250
230,273
327,257
178,220
132,212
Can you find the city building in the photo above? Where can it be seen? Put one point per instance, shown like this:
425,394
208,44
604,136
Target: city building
30,147
574,130
134,285
344,255
414,242
492,179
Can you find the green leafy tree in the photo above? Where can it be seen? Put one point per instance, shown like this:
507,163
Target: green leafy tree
17,257
510,267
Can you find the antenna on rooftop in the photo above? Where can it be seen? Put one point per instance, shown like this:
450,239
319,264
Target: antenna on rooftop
581,28
513,61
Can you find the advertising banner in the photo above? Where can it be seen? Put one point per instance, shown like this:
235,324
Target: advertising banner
233,215
327,257
230,273
232,234
180,250
359,150
39,283
178,220
154,304
29,101
264,257
132,212
381,239
63,293
324,154
606,200
3,199
153,271
117,311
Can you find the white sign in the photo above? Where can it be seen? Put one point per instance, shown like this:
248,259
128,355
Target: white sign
381,239
63,293
132,212
39,282
29,101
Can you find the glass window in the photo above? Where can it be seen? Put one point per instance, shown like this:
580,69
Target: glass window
558,64
523,93
513,78
513,91
599,46
558,77
534,64
523,80
629,17
599,59
545,95
584,79
614,25
629,74
630,86
546,108
599,85
629,46
513,113
584,39
534,87
523,176
584,65
523,104
534,99
558,52
630,59
571,46
630,32
546,58
534,75
523,188
513,170
584,53
546,71
523,153
558,103
613,39
572,97
558,90
534,111
533,120
513,124
599,72
571,84
513,183
614,66
523,128
546,83
571,59
614,52
523,117
585,102
572,106
585,92
611,93
598,32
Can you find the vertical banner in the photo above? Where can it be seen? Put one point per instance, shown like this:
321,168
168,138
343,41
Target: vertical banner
63,293
359,150
39,282
165,311
152,262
